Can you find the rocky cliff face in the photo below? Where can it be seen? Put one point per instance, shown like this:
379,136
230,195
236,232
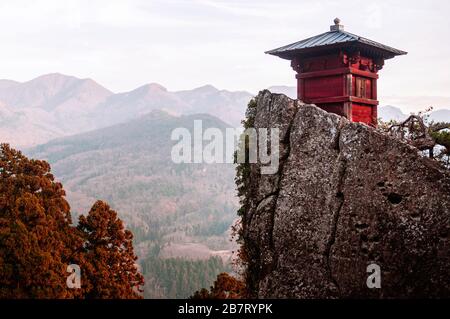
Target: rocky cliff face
345,196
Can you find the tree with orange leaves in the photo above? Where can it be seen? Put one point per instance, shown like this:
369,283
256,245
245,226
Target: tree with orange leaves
38,242
109,259
36,239
225,287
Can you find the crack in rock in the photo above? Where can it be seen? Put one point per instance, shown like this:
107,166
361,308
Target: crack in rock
322,199
286,141
283,160
338,202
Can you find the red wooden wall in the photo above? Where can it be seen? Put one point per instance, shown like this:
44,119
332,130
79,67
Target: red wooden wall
340,83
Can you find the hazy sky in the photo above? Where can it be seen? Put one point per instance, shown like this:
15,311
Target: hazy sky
185,44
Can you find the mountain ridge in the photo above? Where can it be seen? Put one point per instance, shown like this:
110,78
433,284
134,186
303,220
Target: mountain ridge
55,105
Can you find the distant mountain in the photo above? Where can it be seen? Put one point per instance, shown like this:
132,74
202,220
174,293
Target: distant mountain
56,105
440,116
129,165
130,105
418,103
28,126
7,83
47,107
389,112
53,91
228,106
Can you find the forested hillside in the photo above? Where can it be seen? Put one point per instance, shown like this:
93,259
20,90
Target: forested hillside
174,210
179,278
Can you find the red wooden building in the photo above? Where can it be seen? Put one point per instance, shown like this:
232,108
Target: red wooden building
338,72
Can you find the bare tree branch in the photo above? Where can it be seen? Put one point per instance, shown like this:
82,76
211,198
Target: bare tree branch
436,127
418,133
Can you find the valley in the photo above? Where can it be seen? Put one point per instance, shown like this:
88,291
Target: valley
117,147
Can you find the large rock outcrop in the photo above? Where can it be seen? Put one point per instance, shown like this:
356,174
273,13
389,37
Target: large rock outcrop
345,196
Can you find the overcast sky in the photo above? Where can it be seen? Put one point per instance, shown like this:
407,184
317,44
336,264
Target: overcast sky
184,44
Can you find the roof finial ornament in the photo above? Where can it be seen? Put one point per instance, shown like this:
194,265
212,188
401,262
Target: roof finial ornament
337,25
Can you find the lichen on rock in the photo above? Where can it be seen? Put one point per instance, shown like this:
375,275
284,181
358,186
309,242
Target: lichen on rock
345,196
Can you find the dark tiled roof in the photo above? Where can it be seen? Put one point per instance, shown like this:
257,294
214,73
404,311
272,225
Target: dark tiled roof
333,38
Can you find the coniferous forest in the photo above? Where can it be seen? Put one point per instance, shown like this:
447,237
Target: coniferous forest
38,239
180,278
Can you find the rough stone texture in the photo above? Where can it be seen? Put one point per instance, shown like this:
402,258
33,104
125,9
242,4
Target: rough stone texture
345,196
